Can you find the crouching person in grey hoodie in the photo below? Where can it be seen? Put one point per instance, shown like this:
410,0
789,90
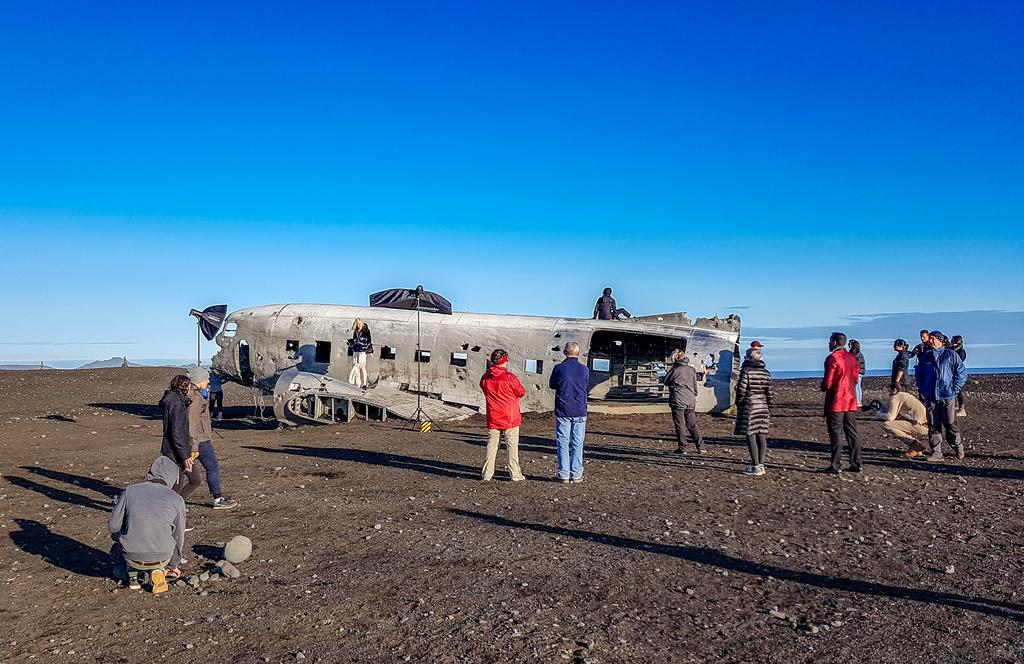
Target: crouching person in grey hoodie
148,522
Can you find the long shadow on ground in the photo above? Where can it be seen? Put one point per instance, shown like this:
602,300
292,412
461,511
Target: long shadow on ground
59,495
713,558
59,550
430,466
91,483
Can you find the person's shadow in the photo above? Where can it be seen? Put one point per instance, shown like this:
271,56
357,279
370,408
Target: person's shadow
37,539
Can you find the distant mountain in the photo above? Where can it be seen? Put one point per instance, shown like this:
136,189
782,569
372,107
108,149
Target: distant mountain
23,367
112,363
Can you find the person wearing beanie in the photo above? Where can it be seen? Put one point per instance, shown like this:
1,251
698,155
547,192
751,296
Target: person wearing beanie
941,381
502,390
753,409
681,381
201,434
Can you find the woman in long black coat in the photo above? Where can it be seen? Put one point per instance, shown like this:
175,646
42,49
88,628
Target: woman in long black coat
753,415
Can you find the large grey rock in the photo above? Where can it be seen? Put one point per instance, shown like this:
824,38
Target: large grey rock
238,549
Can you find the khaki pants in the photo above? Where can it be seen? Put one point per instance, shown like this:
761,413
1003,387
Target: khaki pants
908,432
512,443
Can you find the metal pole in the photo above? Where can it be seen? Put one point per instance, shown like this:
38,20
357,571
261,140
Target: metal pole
198,346
419,358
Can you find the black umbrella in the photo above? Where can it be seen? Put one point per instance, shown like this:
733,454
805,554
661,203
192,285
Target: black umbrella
208,322
414,299
411,299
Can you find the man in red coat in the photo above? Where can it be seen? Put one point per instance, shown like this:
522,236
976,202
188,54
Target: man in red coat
841,406
503,391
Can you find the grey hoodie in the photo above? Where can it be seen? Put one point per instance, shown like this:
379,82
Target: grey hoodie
149,518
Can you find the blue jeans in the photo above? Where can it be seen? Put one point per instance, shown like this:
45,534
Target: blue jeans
569,433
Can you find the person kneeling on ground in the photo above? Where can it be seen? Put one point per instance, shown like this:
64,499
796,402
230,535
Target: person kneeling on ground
906,418
148,522
753,415
681,381
502,390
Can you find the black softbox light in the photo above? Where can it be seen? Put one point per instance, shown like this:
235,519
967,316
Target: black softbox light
210,319
405,298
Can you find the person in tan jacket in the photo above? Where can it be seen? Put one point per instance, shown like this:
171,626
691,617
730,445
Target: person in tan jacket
201,430
906,418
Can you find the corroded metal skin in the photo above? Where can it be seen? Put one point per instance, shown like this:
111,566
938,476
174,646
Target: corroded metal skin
260,344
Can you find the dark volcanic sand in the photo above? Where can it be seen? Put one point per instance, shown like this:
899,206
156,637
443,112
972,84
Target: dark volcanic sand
655,558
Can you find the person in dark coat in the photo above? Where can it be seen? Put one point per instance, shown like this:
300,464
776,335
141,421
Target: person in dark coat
841,407
362,345
681,381
753,416
855,351
177,440
956,344
900,365
605,308
923,353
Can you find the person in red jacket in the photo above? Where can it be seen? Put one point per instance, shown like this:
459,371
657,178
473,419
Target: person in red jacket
840,387
503,391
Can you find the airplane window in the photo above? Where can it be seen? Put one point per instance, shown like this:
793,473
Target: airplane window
459,359
291,345
534,366
323,352
601,364
230,329
422,356
387,352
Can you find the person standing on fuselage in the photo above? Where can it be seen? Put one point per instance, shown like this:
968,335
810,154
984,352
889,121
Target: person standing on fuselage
570,379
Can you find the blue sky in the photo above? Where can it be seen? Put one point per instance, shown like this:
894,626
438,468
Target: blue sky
799,163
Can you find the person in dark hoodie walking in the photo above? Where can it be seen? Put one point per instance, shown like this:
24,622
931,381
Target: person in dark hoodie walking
681,381
570,379
148,524
841,407
753,409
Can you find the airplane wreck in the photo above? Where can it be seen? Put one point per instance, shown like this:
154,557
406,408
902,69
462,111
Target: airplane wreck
300,354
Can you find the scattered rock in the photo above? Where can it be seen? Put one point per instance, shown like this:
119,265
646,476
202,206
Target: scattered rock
228,570
950,569
775,613
205,576
238,549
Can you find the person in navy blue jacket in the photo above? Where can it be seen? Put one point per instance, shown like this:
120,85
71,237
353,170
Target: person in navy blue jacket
570,379
940,382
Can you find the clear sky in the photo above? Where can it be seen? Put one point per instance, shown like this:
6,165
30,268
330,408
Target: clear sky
798,163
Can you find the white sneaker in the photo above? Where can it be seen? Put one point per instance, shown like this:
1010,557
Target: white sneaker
751,471
760,470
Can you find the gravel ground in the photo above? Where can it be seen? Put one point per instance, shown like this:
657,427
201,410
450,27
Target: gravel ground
375,543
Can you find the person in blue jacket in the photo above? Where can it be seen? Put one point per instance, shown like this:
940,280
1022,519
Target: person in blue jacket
940,382
570,379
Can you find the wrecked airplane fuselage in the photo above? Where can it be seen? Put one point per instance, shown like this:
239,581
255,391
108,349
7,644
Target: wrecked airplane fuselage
301,354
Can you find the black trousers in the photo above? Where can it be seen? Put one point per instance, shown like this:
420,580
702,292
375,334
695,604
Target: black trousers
685,421
217,404
942,423
840,426
757,445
